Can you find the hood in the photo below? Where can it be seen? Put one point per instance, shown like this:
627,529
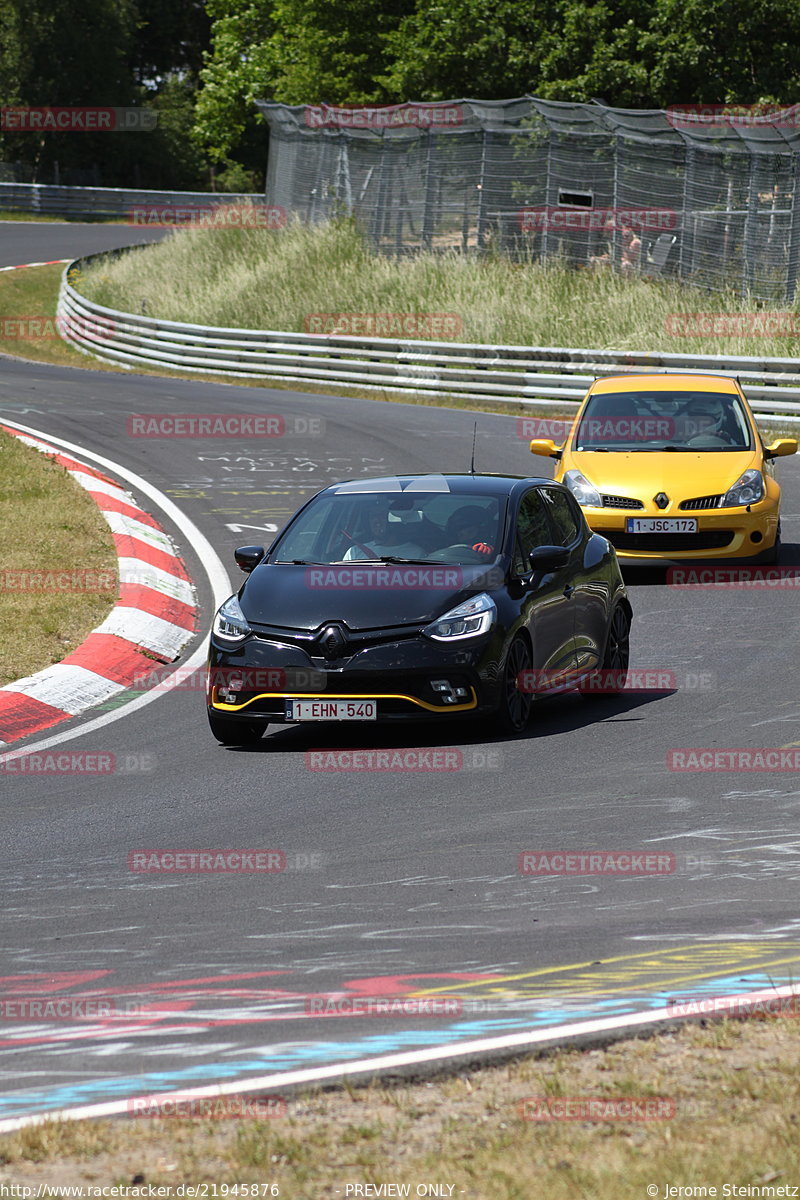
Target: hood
362,595
682,474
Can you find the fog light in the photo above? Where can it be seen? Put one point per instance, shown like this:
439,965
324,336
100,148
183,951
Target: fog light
449,692
445,690
755,536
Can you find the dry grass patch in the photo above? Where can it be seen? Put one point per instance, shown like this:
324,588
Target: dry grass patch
262,279
735,1087
47,524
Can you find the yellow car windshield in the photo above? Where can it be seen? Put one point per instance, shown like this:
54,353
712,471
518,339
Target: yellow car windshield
663,420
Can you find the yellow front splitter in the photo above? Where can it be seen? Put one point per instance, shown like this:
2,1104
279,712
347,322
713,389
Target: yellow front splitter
434,708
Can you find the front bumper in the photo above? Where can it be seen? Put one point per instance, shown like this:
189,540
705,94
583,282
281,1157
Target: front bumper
398,675
728,534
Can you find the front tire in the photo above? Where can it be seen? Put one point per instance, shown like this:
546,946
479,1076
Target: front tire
235,733
616,657
514,710
771,556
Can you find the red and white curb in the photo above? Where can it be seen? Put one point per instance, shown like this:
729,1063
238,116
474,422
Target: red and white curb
153,619
51,262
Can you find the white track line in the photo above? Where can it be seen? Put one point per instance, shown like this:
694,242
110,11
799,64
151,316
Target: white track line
597,1030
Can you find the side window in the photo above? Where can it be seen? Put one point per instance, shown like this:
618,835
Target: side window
564,518
533,529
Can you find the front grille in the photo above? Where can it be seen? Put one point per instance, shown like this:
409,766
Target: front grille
701,502
711,539
313,646
621,502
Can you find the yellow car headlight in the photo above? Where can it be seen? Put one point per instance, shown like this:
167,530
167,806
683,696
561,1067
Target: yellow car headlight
748,489
584,492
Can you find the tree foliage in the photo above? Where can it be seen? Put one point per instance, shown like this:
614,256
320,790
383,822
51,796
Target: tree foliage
202,64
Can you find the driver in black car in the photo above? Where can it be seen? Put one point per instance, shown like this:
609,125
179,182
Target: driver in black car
471,526
382,538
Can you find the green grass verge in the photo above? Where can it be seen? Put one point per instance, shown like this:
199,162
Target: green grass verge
47,524
28,302
733,1088
260,279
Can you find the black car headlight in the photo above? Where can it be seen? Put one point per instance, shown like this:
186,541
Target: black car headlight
230,624
466,620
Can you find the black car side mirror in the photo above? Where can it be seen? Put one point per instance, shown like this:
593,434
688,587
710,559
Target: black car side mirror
548,558
248,557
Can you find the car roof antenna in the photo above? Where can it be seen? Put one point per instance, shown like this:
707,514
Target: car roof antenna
474,436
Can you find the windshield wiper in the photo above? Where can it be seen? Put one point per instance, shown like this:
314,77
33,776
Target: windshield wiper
392,558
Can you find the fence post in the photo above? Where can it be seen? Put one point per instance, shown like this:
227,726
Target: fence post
548,196
482,201
616,237
793,263
751,226
686,244
426,235
377,212
342,188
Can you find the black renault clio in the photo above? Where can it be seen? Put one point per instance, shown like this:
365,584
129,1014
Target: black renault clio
416,597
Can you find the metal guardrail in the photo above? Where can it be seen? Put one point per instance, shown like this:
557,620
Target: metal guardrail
57,200
548,377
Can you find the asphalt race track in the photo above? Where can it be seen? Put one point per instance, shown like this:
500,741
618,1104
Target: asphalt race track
37,241
400,881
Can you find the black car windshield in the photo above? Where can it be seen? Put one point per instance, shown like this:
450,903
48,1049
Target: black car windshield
410,526
663,420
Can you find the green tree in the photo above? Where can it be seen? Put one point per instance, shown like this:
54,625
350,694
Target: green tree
628,53
332,51
717,51
238,71
294,51
485,49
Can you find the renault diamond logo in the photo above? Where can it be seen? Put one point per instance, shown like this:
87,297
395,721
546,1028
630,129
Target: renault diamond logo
662,500
333,641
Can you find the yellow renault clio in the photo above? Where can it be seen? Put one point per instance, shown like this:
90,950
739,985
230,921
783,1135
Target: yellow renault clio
672,468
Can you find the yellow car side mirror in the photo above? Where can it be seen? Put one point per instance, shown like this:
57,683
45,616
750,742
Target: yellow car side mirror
782,447
547,448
